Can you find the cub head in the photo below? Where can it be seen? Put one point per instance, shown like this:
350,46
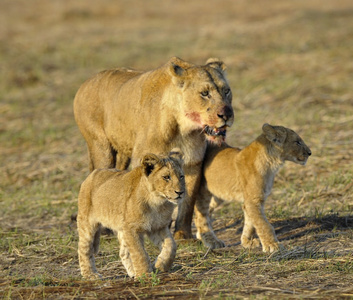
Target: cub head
291,144
165,175
206,96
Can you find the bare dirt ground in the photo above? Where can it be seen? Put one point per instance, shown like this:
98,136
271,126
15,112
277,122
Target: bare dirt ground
289,63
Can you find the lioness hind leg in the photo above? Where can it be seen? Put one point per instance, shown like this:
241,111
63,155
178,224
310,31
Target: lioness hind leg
86,247
203,221
255,214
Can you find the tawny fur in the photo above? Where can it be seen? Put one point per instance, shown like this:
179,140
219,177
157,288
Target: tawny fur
247,176
124,114
133,204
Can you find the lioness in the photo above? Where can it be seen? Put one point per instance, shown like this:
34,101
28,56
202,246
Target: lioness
247,175
124,114
131,203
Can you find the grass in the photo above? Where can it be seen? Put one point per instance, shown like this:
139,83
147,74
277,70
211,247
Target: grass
289,63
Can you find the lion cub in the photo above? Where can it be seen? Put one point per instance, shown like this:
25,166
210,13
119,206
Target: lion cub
247,175
133,204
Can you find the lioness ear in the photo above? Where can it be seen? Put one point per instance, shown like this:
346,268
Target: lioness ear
177,66
216,64
177,73
148,162
275,134
176,154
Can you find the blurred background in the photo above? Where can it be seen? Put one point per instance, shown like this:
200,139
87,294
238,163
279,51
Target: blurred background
289,63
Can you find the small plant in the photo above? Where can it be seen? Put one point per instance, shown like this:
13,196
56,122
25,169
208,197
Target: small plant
155,280
189,276
149,279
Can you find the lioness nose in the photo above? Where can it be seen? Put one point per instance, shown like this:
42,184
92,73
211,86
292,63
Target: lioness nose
309,152
179,193
225,113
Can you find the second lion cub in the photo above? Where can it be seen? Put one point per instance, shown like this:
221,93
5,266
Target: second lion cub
133,204
247,175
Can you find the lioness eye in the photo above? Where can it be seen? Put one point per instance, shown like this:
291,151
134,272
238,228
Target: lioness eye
166,178
204,93
298,143
181,177
227,91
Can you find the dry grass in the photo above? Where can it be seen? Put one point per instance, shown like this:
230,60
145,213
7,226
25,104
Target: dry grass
289,63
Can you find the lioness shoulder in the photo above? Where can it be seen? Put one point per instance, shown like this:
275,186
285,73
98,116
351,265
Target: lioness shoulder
133,204
247,176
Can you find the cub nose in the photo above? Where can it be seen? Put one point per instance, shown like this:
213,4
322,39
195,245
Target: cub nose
225,113
179,193
309,152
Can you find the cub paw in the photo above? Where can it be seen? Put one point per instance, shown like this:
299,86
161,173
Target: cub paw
270,247
249,243
92,276
211,241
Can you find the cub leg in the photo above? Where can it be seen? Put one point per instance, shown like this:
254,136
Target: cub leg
138,255
247,238
215,202
186,208
203,221
164,240
86,248
255,213
125,255
96,239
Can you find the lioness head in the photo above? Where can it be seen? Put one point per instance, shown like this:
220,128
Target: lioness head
206,96
293,147
165,175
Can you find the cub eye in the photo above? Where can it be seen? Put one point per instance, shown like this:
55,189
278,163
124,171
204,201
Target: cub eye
204,93
181,177
166,178
299,143
227,91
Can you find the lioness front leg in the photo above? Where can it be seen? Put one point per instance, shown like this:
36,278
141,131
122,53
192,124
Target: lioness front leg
186,208
101,154
164,240
203,222
255,213
135,246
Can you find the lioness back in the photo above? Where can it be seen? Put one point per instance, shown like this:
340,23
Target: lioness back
131,203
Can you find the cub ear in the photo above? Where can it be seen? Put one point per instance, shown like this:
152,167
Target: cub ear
177,154
275,134
216,64
148,163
